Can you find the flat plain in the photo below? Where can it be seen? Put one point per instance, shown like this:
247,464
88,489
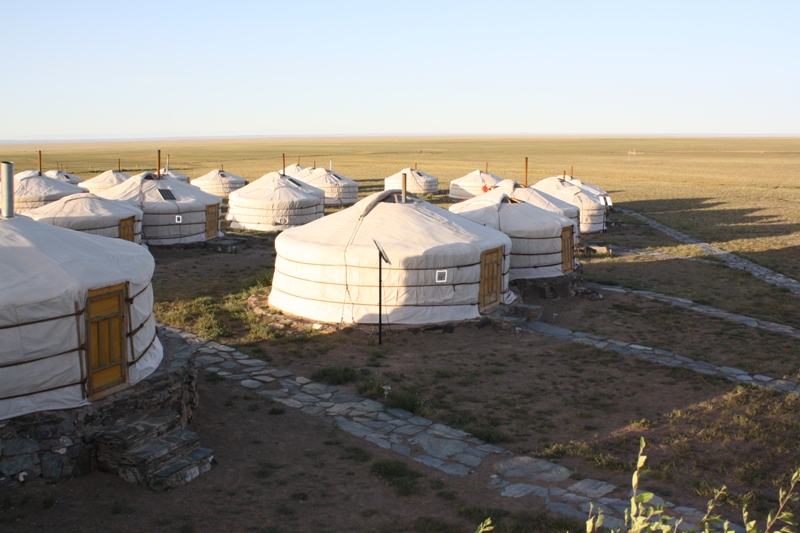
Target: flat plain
582,407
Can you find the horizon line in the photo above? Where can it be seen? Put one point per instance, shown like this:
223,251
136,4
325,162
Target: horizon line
393,135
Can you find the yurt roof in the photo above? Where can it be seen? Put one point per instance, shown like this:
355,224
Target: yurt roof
84,210
220,176
145,189
43,263
36,186
292,169
174,174
322,176
109,177
280,195
272,178
479,177
416,234
414,175
569,192
515,218
538,198
583,184
64,176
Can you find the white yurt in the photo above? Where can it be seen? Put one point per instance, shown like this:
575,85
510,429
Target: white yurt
543,200
541,241
105,180
593,189
593,209
292,169
475,183
219,182
338,190
174,174
76,317
416,182
273,207
91,214
174,212
72,179
33,190
272,178
443,266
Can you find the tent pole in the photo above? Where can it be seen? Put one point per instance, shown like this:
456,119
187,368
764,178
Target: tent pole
7,176
167,162
380,298
284,164
571,175
526,171
40,162
158,166
403,187
119,165
487,167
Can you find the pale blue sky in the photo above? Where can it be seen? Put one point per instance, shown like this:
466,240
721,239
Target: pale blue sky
140,69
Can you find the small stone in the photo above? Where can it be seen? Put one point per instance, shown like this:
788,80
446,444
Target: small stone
593,488
430,461
454,469
441,448
229,365
531,468
383,443
565,509
282,373
301,380
402,450
265,379
467,459
250,384
20,446
518,490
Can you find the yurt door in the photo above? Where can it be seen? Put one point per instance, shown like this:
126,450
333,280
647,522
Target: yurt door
106,357
126,226
491,278
212,221
567,249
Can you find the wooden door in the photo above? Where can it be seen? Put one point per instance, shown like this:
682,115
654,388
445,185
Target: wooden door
567,249
126,228
491,287
106,354
212,221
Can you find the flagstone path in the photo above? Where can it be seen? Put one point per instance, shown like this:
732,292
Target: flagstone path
450,450
733,261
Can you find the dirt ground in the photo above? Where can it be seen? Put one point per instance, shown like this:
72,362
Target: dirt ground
281,470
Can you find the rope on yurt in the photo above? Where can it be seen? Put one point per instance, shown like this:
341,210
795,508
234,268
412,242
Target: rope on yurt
137,359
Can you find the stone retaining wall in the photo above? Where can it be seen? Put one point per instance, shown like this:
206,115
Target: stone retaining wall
57,445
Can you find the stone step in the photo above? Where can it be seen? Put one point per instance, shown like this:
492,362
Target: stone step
150,455
181,470
134,431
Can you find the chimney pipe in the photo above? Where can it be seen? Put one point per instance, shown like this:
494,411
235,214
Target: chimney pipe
158,166
403,187
40,162
526,172
7,176
167,162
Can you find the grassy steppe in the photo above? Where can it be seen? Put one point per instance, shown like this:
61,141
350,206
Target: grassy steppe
742,194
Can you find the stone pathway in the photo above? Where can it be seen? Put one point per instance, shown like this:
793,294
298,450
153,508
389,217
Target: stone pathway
705,309
664,357
733,261
451,451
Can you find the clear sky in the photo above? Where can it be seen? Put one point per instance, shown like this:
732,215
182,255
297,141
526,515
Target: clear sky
140,69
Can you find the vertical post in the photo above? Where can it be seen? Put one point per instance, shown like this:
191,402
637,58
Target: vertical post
40,162
564,176
571,175
415,166
222,167
380,298
284,164
7,176
314,165
119,165
167,162
298,160
526,171
158,166
330,165
403,187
